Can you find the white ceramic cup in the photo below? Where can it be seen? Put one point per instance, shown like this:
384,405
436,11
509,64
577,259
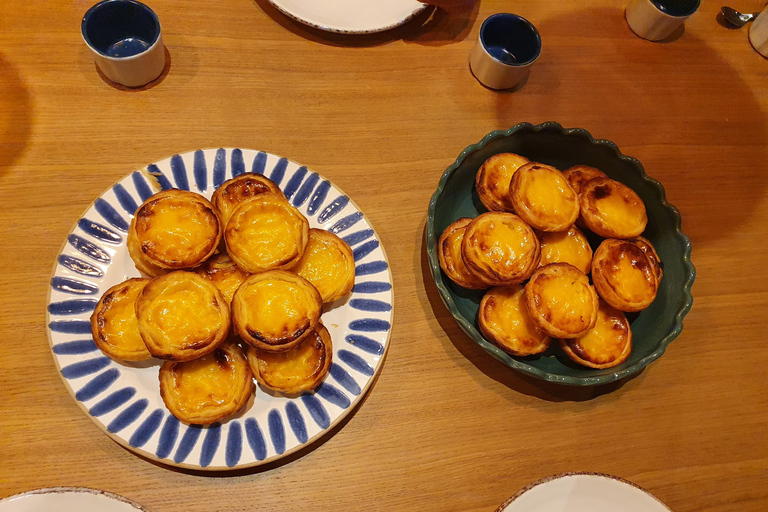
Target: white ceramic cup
656,20
758,33
506,48
125,39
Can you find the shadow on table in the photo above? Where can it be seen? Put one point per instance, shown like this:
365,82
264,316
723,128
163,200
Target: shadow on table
16,118
431,27
491,367
154,83
677,131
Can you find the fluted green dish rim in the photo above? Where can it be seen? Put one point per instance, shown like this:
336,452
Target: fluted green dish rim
652,329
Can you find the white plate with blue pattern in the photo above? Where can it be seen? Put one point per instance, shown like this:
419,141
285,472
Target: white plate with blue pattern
123,399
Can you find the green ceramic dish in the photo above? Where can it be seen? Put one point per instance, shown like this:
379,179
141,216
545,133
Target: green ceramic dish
549,143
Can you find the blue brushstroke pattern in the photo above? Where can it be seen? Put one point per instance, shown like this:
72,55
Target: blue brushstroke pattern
161,178
305,190
278,171
376,306
72,307
332,209
113,401
219,168
147,429
345,379
359,236
365,249
372,287
276,431
255,439
187,443
210,444
71,326
237,163
99,231
318,197
142,187
73,286
317,411
128,415
125,199
110,215
97,385
333,395
369,325
75,347
179,171
293,184
200,171
356,362
90,249
259,163
83,368
168,436
234,444
79,266
365,344
296,422
346,223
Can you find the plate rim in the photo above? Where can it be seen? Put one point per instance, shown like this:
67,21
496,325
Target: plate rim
75,490
567,474
140,451
493,350
337,30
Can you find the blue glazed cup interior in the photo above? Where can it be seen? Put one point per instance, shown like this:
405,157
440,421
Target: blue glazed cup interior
677,8
120,28
510,39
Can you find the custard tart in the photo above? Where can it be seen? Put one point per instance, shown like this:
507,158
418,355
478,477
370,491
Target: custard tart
449,254
611,209
113,322
606,345
239,189
266,233
499,248
327,263
172,230
650,251
493,178
504,320
222,272
275,310
578,175
543,198
566,247
207,389
624,275
301,368
182,316
561,301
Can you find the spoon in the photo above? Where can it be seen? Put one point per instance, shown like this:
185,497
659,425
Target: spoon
736,18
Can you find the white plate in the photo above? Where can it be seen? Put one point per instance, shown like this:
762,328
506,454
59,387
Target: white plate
351,16
68,499
124,398
583,492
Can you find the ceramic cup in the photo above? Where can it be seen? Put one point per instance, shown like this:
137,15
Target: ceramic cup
506,48
124,37
657,19
758,33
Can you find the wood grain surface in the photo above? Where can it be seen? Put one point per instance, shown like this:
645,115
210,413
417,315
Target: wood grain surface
445,427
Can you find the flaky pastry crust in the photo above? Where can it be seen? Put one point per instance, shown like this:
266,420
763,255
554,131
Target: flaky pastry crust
449,255
182,316
504,320
543,198
275,310
561,301
299,369
327,263
566,247
241,188
499,248
493,178
606,345
578,175
113,323
265,233
207,389
611,209
222,272
624,275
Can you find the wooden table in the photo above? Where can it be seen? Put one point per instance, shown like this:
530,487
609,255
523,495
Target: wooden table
445,427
